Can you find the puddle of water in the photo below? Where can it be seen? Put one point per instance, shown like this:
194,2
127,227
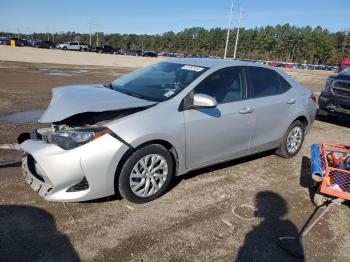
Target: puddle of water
62,72
22,117
58,74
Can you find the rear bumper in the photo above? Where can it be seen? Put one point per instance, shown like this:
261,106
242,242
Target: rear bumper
334,105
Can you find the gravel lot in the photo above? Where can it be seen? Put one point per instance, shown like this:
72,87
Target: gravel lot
232,211
39,55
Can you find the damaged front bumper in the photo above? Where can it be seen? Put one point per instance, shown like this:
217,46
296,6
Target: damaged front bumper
334,105
83,173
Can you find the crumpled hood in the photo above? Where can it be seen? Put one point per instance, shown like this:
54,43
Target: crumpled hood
71,100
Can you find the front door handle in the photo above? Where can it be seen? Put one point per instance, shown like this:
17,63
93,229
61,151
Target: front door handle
246,110
291,101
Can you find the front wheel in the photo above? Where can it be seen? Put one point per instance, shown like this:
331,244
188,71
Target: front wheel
146,175
292,140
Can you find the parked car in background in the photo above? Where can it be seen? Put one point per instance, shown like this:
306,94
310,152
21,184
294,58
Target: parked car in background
32,42
125,51
335,97
44,44
162,121
74,46
7,41
23,42
149,54
166,54
137,52
106,49
4,40
345,64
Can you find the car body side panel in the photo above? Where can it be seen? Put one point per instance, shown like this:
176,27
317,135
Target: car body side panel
272,117
216,134
160,122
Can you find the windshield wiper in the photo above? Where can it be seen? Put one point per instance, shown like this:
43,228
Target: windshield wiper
132,94
110,86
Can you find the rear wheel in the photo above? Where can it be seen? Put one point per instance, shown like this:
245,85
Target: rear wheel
65,48
292,140
146,175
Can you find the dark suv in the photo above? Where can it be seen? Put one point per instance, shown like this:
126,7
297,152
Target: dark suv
335,98
44,44
107,49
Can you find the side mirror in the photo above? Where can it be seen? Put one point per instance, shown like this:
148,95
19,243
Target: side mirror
202,100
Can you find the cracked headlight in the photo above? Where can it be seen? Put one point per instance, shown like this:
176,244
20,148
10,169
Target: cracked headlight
69,139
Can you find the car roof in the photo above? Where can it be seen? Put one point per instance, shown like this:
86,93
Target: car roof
213,62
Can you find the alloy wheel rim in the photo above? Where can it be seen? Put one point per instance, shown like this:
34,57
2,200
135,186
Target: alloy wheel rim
294,139
148,175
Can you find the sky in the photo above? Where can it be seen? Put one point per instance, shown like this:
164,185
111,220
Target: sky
159,16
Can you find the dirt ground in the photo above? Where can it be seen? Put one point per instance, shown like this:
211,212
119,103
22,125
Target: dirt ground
229,212
53,56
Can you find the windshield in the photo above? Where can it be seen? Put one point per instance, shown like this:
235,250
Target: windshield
158,82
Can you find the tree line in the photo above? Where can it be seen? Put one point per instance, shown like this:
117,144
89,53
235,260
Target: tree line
276,43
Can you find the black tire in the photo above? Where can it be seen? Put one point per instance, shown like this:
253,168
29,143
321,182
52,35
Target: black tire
65,48
124,177
282,151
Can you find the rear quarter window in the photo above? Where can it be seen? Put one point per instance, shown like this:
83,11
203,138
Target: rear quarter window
285,86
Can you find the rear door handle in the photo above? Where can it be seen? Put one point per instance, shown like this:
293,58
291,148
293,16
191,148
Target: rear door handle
246,110
291,101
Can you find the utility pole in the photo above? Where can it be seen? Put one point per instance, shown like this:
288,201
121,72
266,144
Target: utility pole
97,28
90,32
345,40
237,35
228,30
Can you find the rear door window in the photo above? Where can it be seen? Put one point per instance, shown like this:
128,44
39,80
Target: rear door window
262,82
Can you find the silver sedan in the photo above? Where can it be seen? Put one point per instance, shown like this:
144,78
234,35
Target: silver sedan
133,136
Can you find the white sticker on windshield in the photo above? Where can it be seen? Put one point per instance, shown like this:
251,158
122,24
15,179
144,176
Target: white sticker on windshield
192,68
169,93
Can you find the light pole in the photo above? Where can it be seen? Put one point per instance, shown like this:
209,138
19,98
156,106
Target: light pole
97,28
237,35
90,33
228,30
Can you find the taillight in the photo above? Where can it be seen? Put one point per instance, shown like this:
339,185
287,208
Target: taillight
313,97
